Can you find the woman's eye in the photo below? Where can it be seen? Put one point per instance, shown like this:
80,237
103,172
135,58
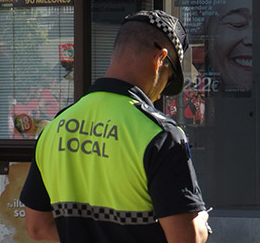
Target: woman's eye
237,25
235,21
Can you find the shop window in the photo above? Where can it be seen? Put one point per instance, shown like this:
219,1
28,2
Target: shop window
36,81
36,66
217,108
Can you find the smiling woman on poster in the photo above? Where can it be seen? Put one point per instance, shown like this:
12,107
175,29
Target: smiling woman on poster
229,35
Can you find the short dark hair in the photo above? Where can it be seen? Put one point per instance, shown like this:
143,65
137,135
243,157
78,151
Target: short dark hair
142,37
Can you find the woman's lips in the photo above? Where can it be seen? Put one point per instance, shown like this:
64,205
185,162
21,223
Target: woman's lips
244,62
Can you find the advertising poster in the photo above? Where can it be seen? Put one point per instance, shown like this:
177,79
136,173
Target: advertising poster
218,63
12,214
221,30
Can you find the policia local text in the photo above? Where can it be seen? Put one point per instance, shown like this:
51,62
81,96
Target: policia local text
91,130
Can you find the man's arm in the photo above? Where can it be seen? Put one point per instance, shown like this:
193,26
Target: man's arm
41,225
185,228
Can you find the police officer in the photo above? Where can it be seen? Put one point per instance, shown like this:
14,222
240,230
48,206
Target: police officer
112,168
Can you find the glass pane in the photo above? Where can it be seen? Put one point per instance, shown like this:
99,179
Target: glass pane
107,17
36,67
217,108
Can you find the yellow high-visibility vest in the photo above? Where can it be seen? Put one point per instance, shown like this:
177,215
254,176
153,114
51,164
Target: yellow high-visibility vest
93,154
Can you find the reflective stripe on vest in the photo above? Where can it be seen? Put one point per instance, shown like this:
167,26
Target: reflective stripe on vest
84,210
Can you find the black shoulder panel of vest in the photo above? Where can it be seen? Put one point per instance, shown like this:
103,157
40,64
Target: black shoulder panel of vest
165,122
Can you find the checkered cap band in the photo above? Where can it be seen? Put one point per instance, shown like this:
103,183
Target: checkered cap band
85,210
161,24
170,25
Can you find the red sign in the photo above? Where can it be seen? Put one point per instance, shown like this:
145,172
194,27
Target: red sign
67,53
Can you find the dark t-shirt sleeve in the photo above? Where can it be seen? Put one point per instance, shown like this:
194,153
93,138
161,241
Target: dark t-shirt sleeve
34,194
172,182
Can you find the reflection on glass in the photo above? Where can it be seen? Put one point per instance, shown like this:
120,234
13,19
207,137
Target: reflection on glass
219,61
220,33
37,44
217,109
230,44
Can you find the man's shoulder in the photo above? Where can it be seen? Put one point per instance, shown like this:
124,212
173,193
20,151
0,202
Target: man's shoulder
167,124
157,116
64,109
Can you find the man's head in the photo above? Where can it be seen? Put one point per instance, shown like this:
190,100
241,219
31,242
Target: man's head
158,33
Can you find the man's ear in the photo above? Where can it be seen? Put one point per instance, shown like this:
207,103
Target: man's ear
158,59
